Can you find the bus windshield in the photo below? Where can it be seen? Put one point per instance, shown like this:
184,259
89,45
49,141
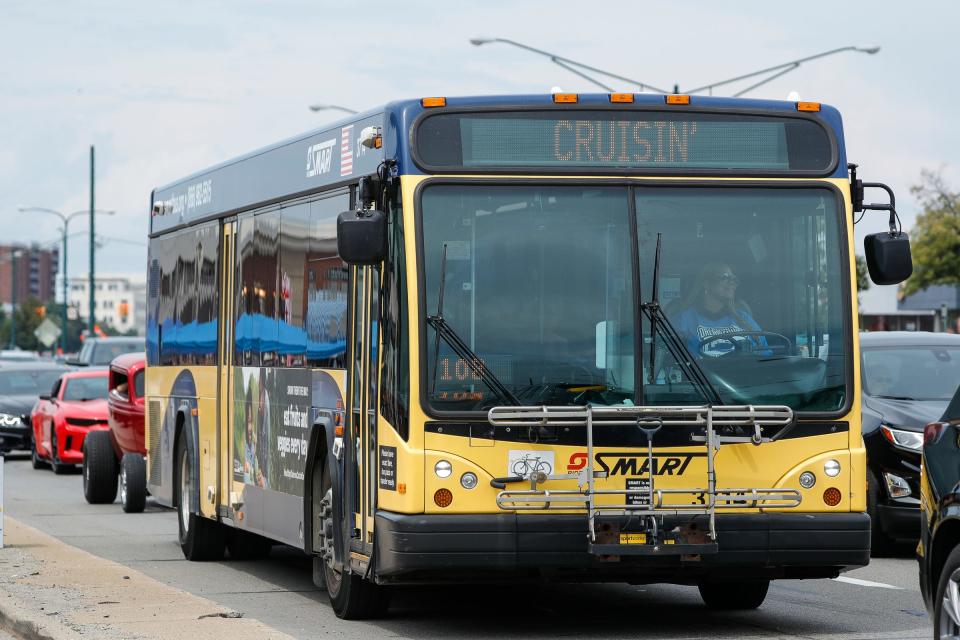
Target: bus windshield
544,283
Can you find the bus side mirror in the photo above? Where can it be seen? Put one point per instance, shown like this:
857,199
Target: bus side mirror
888,257
362,237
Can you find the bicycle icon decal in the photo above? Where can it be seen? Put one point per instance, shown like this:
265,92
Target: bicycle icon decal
524,462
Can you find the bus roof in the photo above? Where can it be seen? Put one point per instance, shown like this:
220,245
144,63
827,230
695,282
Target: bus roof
324,158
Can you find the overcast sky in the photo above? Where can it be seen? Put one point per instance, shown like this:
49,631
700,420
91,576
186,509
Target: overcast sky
164,89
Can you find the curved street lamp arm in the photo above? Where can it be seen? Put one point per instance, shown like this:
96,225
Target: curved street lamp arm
779,70
566,63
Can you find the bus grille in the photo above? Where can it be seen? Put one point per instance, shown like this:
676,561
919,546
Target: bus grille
153,441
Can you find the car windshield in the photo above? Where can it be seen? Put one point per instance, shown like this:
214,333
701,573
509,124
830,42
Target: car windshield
86,388
911,372
138,384
105,352
545,284
28,382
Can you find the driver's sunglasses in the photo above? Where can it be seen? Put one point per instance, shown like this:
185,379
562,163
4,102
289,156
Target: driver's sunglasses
728,278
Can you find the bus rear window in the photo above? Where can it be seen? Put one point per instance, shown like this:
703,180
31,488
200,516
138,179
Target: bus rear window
641,139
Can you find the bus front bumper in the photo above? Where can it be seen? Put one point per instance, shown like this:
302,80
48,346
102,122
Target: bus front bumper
448,548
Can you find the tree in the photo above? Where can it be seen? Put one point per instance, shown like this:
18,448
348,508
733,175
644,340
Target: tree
935,239
863,275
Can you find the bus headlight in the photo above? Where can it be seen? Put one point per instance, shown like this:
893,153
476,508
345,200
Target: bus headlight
443,469
831,468
468,480
807,479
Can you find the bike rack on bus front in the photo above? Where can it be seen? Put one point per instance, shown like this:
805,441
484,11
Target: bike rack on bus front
755,420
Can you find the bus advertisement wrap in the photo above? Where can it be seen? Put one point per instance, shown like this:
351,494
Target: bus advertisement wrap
271,427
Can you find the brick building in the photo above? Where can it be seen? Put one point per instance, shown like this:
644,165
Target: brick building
36,272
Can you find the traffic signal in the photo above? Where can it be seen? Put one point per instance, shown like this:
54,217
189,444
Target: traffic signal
41,311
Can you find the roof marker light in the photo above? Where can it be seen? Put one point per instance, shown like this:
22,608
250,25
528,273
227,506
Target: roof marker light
677,99
565,98
433,102
808,106
621,97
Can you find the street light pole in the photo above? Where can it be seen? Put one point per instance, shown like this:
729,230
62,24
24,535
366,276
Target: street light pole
775,71
91,323
65,219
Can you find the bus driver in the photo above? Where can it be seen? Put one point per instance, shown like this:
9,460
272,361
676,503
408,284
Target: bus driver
712,309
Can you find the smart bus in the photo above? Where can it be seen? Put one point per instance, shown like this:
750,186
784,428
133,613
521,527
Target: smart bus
589,338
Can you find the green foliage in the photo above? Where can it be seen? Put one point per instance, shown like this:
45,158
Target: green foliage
935,239
863,275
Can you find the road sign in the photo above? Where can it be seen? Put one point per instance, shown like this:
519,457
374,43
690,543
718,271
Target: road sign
47,333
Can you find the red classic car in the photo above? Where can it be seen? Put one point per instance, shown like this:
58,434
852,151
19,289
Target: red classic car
62,419
120,450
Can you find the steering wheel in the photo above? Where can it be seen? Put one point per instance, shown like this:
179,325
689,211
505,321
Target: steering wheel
748,343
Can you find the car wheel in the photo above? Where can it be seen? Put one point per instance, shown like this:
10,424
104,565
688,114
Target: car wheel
133,483
946,604
351,597
99,468
200,538
881,544
35,459
58,467
734,594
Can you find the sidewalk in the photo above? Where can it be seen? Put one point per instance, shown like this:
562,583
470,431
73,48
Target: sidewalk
53,591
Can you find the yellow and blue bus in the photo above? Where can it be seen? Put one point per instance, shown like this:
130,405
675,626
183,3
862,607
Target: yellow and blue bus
561,337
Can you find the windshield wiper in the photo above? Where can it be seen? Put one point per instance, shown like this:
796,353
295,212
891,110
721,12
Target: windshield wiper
895,397
659,323
460,348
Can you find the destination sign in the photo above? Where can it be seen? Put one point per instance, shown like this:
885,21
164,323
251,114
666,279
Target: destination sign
624,139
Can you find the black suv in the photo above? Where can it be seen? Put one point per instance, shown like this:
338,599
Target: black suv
908,379
939,548
100,352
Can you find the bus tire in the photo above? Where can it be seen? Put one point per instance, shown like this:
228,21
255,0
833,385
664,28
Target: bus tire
734,594
133,483
200,538
244,545
351,597
99,469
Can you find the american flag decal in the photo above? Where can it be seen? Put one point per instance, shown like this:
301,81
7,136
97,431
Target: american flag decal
346,150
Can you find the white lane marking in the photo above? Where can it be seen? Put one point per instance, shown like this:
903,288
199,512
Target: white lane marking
866,583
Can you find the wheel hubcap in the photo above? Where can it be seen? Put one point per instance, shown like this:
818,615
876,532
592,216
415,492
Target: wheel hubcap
950,609
123,486
185,493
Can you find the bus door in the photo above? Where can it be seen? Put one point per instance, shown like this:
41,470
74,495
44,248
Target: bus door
360,442
225,500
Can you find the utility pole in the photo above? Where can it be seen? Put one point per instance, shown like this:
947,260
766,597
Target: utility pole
92,321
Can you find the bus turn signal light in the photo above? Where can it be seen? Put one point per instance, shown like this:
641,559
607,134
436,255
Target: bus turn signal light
443,498
678,99
621,97
808,106
565,98
433,102
832,497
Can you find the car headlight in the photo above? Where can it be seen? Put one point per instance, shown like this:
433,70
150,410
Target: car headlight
904,439
9,420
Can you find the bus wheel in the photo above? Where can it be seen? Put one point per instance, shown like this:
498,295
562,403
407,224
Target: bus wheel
734,594
133,483
200,538
244,545
99,469
351,597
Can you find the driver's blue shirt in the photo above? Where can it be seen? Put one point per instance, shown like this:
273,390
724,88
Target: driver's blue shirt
696,325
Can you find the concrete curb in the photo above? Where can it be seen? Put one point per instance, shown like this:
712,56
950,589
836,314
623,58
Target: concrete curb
20,621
